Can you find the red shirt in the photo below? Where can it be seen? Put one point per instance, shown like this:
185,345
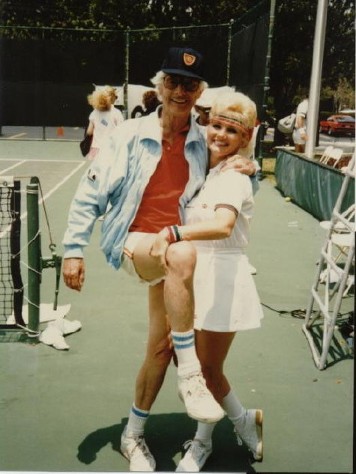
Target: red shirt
160,202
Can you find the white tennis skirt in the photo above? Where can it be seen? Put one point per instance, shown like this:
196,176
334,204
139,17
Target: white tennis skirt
226,298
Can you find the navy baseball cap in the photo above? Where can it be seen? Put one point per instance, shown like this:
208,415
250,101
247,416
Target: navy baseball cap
185,62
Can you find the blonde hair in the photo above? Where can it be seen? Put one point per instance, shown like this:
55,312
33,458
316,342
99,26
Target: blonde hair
100,100
111,91
239,107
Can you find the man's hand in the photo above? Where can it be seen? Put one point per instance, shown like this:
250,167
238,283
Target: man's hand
241,164
159,249
74,273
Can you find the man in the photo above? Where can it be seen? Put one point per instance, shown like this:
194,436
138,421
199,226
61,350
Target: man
151,168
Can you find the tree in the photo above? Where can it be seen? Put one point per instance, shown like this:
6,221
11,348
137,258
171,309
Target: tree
344,97
108,14
291,66
293,35
339,57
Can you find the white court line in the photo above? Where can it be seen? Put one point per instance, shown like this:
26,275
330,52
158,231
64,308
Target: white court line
13,166
18,135
40,201
44,161
62,182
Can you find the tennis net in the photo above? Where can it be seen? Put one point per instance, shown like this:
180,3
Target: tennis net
11,286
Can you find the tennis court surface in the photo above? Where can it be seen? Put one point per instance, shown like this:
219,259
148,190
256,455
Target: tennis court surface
65,410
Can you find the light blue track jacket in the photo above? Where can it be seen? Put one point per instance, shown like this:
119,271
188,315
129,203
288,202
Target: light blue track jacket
119,176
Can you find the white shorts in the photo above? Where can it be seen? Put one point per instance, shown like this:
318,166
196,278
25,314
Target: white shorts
297,139
127,263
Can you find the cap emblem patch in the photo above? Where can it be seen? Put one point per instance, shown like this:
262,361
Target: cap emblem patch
189,59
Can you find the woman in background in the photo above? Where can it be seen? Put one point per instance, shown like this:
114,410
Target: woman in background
103,119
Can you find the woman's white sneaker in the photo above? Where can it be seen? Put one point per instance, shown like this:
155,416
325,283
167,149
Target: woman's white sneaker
195,457
199,401
249,432
135,450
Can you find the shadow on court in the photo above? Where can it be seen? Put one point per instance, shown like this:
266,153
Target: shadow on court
165,435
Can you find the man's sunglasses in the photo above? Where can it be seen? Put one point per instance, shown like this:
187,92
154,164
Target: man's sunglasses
188,84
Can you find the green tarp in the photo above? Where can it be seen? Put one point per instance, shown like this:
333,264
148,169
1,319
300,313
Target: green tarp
311,185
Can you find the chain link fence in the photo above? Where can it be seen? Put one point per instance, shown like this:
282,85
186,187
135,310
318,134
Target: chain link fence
47,73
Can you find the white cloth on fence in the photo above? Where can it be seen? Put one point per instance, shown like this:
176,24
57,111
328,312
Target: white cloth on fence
47,313
57,327
55,331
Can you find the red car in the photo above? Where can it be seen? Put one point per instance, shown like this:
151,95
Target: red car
342,124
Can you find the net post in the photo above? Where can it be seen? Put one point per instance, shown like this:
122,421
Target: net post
34,260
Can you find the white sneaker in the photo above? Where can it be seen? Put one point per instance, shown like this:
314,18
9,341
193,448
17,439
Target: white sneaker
249,432
199,402
195,457
135,450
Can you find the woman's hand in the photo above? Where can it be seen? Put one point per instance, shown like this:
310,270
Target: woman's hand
159,248
241,164
303,133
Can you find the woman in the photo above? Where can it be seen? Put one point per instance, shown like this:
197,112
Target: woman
103,119
226,300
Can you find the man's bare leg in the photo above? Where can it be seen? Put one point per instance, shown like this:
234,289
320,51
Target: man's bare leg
158,353
178,288
148,383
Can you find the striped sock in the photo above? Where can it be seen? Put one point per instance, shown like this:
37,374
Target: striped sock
184,345
137,420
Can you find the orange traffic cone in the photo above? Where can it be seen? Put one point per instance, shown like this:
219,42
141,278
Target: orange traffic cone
60,132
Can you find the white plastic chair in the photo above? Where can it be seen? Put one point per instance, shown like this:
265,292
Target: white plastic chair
336,155
341,239
331,153
342,226
326,155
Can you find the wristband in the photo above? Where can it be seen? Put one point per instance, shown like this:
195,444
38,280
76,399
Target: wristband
177,233
173,234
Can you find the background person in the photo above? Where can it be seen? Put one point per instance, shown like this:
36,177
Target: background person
203,114
226,300
150,102
103,119
300,136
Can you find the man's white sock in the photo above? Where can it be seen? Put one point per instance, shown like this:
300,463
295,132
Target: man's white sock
137,421
184,346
